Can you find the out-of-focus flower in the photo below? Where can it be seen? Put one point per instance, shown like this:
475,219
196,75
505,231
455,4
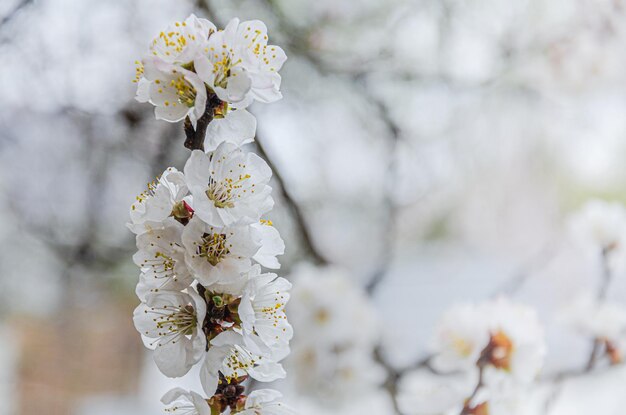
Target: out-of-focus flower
164,198
502,337
326,303
229,186
170,323
240,66
600,225
182,402
336,330
603,321
423,393
462,333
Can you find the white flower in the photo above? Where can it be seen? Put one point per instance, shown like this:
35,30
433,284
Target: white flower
600,225
229,186
237,127
336,329
228,356
182,42
462,333
175,91
264,402
325,305
166,77
262,313
240,66
161,258
421,392
507,399
219,254
185,403
334,375
157,203
509,334
170,323
597,320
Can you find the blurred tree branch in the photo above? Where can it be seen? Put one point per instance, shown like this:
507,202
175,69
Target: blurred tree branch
14,12
292,205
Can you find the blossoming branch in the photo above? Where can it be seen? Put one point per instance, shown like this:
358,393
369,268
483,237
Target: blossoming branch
202,239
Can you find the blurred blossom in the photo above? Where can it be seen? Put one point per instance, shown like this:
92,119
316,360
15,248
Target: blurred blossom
506,335
600,226
424,393
605,321
336,330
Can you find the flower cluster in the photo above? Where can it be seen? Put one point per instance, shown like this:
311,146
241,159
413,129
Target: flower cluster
201,235
194,69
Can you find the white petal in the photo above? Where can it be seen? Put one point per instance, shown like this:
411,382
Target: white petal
238,127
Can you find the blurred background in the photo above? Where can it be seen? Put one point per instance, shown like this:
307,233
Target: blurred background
429,151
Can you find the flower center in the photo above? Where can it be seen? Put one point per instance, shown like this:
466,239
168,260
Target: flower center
214,247
238,363
173,322
462,346
222,64
149,192
224,192
185,91
162,267
172,42
499,351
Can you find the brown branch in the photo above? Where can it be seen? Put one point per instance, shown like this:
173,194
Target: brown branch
195,137
467,408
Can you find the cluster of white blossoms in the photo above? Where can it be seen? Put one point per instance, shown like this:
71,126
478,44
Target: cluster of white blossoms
491,350
192,65
337,330
201,237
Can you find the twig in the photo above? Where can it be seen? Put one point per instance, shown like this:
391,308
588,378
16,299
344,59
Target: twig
391,382
467,409
7,18
389,229
607,276
195,137
293,206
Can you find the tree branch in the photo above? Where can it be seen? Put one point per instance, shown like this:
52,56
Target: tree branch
293,207
18,7
195,137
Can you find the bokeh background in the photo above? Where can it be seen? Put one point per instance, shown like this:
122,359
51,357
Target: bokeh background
432,149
